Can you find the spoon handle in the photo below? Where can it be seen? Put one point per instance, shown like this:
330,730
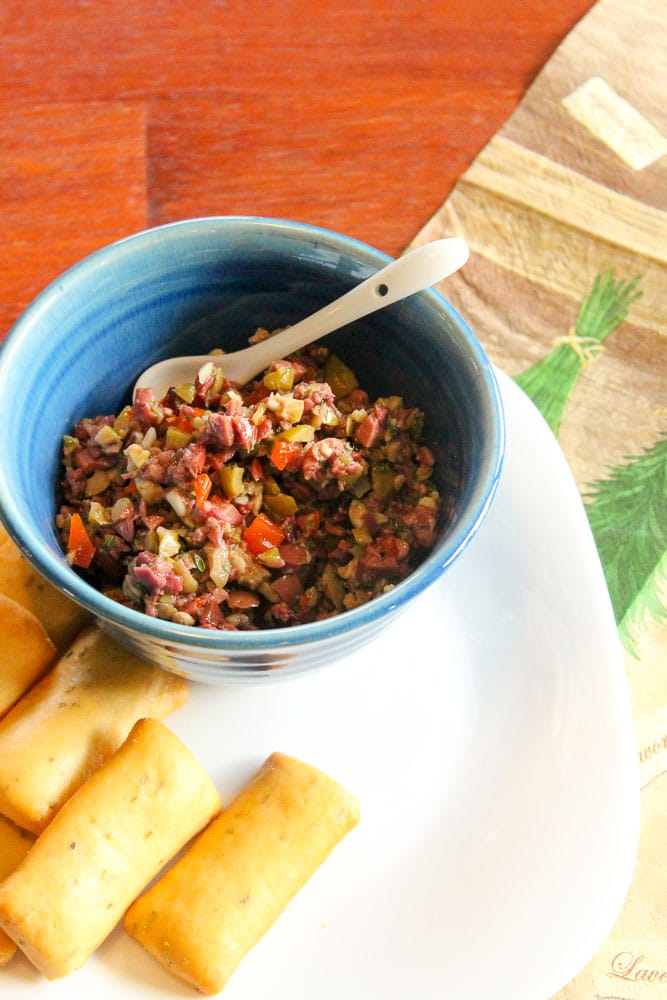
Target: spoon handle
410,273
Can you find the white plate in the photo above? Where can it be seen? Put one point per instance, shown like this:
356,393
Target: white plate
489,737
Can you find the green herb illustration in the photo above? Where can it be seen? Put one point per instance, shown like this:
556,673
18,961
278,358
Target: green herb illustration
627,510
550,381
628,516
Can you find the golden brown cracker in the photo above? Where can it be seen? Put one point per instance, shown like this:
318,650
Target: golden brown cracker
25,651
217,901
59,615
103,847
14,845
73,720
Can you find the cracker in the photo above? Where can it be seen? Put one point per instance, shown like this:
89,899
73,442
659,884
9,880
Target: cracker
25,652
207,911
59,615
73,720
104,846
14,845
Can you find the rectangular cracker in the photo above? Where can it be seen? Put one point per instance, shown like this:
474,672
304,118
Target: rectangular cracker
73,720
207,911
103,847
59,615
14,845
25,652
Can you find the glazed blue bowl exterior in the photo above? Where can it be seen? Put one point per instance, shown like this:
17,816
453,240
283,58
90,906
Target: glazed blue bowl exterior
189,287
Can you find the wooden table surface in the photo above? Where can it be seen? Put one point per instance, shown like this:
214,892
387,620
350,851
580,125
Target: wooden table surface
357,117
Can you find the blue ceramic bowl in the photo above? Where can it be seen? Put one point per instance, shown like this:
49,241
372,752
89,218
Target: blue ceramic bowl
203,283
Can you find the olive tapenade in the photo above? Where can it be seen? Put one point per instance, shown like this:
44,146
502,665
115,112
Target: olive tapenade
281,502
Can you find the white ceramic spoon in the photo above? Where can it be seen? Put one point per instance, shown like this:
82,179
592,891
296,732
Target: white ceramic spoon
410,273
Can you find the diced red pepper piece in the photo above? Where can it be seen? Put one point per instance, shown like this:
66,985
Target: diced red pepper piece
79,543
262,534
203,486
180,423
284,452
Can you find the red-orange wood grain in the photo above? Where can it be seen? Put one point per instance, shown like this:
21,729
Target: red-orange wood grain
355,116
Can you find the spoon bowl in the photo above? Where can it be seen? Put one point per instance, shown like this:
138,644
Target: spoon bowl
411,273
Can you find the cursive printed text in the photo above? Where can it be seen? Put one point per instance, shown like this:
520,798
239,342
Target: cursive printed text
656,747
634,969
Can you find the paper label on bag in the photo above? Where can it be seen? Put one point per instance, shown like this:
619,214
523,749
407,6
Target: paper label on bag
616,123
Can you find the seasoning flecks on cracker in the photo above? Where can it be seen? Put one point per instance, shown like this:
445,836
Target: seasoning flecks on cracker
73,720
103,847
206,912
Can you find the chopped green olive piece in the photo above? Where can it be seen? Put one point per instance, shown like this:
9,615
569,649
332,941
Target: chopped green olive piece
98,515
280,379
174,438
186,392
361,486
271,558
122,508
183,570
281,505
333,586
271,487
97,483
123,420
392,403
300,432
108,439
70,444
151,492
231,480
382,478
342,379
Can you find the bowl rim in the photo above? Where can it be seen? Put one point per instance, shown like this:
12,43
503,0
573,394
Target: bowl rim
57,571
